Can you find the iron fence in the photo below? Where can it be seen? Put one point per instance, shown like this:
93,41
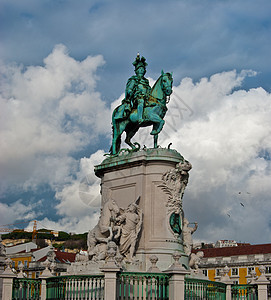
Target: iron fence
197,289
244,292
26,289
147,286
75,287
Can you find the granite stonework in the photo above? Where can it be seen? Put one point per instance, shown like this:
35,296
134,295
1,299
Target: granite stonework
126,177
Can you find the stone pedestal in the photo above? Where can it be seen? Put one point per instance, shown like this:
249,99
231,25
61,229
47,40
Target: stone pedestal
126,177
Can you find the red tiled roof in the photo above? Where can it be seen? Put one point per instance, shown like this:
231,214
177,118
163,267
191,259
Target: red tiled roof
63,257
235,251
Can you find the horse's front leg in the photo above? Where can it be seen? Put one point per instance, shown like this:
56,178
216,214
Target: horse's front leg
110,234
154,116
118,232
158,126
155,140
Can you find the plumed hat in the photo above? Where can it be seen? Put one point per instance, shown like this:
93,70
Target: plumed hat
140,62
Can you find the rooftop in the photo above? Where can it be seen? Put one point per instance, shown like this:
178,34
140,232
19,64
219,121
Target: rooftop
236,251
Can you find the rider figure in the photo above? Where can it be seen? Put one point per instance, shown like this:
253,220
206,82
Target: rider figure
137,89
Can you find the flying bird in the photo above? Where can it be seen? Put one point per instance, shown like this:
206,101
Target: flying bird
229,215
242,204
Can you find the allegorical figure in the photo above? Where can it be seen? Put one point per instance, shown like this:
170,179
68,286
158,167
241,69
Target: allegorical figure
187,236
195,260
131,221
137,91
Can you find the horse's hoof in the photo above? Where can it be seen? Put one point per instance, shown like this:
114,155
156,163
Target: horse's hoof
154,132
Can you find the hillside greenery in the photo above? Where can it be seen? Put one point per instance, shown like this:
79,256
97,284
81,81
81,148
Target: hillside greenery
70,241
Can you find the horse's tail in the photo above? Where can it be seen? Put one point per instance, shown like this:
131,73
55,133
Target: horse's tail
113,118
116,118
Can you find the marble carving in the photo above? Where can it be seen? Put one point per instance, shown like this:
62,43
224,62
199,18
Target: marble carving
174,184
115,224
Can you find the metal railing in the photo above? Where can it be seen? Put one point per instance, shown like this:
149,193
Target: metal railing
269,291
75,287
244,292
129,285
145,286
26,289
197,289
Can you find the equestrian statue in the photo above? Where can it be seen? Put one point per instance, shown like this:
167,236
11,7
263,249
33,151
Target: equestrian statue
142,106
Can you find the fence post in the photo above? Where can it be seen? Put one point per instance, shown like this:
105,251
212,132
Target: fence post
7,276
110,282
225,278
228,292
262,283
45,274
110,269
177,278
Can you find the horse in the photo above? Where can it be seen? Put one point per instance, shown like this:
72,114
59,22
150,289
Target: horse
153,114
103,231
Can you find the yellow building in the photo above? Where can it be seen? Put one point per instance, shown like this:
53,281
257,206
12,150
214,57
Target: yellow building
32,258
241,260
22,253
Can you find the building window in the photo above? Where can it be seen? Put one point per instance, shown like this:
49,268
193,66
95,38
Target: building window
217,272
250,269
13,264
205,272
25,263
37,274
268,270
235,282
234,272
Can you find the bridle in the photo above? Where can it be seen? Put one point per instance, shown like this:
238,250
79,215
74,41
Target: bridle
164,88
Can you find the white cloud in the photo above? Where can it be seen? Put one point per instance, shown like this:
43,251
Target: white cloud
82,195
49,113
67,224
18,210
223,140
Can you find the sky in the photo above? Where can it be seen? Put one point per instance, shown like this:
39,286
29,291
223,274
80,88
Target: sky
64,67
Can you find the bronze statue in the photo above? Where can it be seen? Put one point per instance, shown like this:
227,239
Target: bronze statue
142,106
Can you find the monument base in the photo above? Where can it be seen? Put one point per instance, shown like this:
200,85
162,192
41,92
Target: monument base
126,177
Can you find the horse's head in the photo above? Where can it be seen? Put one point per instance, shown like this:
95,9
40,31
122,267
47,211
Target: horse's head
113,206
166,83
110,210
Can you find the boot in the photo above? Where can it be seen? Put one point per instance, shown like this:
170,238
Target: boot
140,113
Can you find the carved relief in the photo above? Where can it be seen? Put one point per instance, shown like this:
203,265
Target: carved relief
115,224
187,236
195,260
174,184
131,223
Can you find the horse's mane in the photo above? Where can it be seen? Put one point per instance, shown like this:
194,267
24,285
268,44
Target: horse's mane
156,82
